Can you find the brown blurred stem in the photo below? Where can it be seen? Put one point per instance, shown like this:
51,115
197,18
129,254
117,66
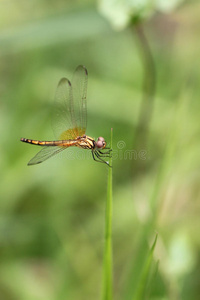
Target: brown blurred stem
149,86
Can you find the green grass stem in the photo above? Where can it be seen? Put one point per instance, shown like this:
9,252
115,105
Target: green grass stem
107,268
142,286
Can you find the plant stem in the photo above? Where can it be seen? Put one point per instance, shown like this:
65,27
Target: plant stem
149,87
107,271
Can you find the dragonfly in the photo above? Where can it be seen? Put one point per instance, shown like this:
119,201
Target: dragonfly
69,122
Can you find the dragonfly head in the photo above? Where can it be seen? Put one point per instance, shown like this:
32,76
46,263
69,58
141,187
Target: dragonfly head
100,144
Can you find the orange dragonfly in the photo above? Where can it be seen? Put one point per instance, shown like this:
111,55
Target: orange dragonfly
69,121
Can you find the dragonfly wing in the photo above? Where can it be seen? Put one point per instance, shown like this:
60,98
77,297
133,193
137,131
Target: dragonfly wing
63,114
79,89
44,154
70,110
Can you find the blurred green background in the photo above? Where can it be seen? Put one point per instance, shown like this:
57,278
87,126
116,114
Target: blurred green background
52,215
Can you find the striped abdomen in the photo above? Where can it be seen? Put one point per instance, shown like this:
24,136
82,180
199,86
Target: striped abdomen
62,143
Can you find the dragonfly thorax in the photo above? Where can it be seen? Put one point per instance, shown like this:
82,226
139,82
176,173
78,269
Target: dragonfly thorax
87,142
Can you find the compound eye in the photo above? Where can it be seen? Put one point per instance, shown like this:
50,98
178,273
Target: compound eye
101,139
100,144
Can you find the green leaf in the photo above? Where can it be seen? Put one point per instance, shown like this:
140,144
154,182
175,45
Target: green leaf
141,287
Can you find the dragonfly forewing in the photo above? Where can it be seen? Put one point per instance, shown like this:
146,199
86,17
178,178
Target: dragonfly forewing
69,118
62,117
79,91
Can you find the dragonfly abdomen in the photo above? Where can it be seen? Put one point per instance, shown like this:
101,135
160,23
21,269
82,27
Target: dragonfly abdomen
63,143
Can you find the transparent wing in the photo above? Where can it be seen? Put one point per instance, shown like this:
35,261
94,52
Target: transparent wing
70,110
45,153
79,88
63,114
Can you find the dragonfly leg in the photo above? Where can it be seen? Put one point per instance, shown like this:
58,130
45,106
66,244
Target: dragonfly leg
105,153
99,159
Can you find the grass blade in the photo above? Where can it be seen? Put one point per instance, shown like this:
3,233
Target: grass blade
107,268
141,288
